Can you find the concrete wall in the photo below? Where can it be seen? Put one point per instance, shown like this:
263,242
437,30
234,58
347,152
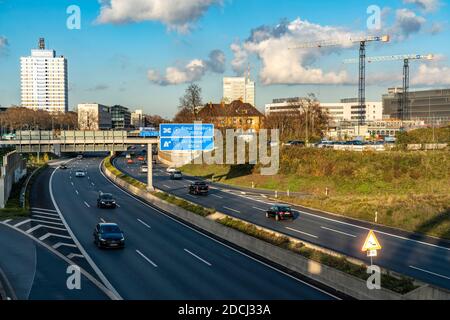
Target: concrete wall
12,170
328,276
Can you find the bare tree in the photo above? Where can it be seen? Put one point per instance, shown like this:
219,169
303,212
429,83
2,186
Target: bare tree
191,101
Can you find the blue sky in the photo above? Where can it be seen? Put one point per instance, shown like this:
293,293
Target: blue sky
123,50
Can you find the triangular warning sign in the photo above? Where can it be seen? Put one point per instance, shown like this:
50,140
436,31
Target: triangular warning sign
371,242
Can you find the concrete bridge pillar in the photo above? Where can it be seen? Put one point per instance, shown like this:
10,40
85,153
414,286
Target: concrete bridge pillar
150,167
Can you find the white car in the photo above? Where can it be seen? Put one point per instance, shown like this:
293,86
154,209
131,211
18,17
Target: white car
171,170
144,169
80,174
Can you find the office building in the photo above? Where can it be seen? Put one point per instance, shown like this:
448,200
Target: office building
238,88
285,105
432,106
120,117
44,80
349,110
345,110
138,119
94,116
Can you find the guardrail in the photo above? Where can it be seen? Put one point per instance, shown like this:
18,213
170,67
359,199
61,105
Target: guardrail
327,276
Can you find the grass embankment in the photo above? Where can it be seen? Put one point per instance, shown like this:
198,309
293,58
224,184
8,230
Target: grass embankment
409,190
400,285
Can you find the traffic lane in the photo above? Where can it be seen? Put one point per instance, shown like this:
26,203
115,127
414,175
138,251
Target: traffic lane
35,273
18,260
202,282
422,261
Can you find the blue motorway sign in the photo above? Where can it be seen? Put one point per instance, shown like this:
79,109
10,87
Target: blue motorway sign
148,133
187,137
186,130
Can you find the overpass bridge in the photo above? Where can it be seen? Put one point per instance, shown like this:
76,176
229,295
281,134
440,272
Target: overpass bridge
59,142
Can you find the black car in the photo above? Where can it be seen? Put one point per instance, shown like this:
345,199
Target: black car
198,188
109,235
106,200
280,212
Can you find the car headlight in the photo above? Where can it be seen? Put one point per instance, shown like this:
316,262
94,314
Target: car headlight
102,202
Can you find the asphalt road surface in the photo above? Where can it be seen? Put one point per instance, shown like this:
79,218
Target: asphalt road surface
423,258
163,258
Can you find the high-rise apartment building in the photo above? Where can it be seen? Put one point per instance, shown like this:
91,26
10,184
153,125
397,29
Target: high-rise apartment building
239,88
44,80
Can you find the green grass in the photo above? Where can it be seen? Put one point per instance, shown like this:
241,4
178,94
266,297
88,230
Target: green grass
401,285
409,190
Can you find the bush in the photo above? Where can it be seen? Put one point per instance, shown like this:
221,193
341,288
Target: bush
400,285
201,211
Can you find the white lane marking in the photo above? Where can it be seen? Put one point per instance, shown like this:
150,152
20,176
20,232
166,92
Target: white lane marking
21,223
196,256
48,218
146,259
118,205
231,209
166,186
87,204
341,232
112,293
42,209
7,220
63,244
215,195
215,240
45,213
256,208
356,226
93,184
429,272
190,195
144,223
102,220
48,235
39,226
76,191
72,184
301,232
74,255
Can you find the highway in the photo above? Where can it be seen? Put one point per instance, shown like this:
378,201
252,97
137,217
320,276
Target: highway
423,258
163,258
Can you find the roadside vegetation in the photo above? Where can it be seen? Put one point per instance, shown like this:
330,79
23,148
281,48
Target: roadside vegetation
407,190
204,212
401,285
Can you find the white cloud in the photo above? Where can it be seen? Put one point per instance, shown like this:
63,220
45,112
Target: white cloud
177,15
407,23
191,72
425,5
429,75
280,65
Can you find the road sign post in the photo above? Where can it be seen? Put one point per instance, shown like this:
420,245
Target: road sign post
371,246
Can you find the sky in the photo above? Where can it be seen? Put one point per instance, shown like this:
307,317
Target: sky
144,53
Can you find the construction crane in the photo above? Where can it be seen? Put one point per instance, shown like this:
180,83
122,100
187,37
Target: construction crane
404,110
362,63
